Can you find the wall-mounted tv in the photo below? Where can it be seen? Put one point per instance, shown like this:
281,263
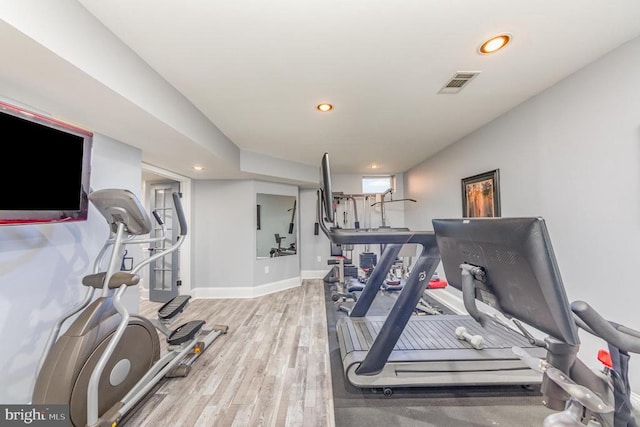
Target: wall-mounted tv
46,168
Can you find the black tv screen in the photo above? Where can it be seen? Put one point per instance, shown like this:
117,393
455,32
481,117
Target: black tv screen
46,169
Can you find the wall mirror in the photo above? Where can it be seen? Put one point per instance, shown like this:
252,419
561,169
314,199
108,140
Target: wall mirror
275,226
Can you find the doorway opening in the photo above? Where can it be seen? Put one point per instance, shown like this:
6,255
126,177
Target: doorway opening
171,275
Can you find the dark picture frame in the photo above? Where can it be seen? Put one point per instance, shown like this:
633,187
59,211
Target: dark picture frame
481,195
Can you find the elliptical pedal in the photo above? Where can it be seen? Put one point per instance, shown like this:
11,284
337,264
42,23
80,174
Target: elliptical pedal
173,307
185,332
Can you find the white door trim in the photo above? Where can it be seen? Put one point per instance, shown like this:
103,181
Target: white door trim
185,249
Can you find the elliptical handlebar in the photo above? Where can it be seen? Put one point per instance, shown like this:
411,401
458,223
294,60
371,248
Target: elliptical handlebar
121,206
156,215
622,337
177,202
183,232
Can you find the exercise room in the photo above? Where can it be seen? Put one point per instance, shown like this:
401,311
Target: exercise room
336,214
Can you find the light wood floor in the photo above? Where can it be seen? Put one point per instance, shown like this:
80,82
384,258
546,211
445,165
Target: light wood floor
270,369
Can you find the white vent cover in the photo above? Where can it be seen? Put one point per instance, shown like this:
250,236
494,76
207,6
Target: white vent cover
459,80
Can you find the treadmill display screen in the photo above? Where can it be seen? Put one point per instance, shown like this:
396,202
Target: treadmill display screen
521,276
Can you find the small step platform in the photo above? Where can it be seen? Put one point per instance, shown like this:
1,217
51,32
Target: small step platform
185,332
173,307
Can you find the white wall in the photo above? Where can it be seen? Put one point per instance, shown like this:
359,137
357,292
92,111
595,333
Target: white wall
41,267
71,32
570,155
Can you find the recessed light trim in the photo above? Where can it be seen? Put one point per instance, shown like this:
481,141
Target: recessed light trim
495,44
324,107
198,168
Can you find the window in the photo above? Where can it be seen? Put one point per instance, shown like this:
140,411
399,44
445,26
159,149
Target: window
376,184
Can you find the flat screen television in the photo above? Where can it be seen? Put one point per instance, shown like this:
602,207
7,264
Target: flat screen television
46,169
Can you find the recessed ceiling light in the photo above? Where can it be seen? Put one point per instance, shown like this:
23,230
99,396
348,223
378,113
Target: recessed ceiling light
374,166
495,43
324,107
198,168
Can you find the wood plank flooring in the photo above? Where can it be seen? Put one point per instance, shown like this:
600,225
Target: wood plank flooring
270,369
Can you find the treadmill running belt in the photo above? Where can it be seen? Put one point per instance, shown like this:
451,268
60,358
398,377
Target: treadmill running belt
429,333
429,353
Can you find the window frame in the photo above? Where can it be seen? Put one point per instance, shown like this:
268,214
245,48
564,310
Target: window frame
391,178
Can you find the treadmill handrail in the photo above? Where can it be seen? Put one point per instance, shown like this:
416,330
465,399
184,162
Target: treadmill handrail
624,338
402,310
375,281
370,236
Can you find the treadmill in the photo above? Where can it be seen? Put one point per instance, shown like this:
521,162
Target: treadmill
404,350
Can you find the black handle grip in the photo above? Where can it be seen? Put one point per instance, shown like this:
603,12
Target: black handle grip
620,336
156,215
177,202
316,229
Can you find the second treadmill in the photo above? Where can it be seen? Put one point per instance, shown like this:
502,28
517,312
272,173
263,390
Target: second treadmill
403,350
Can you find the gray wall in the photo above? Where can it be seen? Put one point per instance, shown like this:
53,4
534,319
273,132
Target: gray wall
314,250
223,236
41,268
224,242
570,155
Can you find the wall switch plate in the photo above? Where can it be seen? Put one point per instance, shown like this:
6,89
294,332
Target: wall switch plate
266,269
319,258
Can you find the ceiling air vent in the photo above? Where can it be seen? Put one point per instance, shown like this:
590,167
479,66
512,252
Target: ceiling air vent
458,81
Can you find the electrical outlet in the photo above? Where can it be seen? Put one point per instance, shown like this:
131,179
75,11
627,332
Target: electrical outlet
319,258
266,269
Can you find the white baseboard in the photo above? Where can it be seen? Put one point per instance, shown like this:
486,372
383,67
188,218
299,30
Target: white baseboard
446,297
143,293
313,274
635,402
246,292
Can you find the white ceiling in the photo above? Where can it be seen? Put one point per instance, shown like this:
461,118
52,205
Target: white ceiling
257,69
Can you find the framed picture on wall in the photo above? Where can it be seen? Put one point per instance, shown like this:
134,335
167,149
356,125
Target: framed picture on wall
481,195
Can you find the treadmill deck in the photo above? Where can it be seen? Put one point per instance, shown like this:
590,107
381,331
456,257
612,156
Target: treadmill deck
429,353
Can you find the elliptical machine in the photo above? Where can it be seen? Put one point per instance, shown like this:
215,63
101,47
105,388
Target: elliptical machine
109,359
